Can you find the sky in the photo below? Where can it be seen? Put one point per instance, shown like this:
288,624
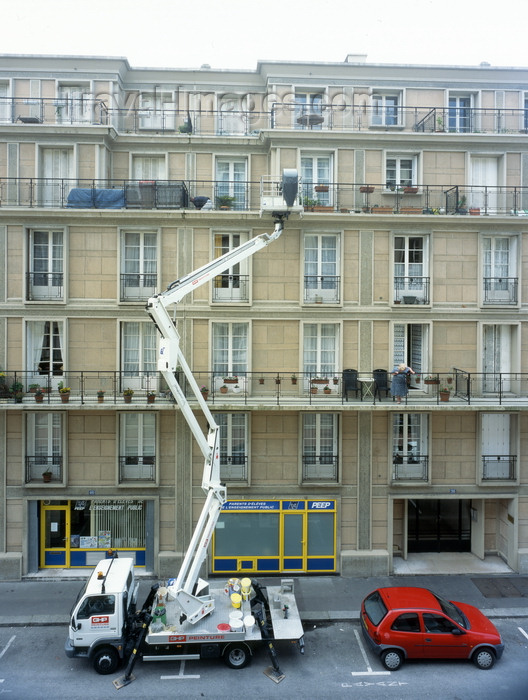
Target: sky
238,33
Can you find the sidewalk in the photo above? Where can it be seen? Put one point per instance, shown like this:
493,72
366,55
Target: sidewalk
319,598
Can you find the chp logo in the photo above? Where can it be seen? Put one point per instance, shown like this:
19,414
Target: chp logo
100,621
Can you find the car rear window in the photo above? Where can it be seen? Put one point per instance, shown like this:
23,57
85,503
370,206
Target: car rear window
375,608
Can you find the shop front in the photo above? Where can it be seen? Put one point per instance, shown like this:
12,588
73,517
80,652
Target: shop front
79,533
276,536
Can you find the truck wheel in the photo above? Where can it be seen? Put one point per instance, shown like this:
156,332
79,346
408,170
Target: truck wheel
106,660
483,658
237,655
392,659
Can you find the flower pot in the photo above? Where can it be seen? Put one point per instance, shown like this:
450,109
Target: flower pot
410,190
65,398
474,211
46,477
151,399
431,381
100,399
205,395
444,395
313,390
223,390
294,380
39,398
321,188
366,189
127,398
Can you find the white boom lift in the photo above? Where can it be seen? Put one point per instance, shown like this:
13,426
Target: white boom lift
189,589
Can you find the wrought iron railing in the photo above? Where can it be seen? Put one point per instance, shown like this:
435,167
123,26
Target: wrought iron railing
500,291
233,467
322,467
249,388
410,467
230,288
137,468
411,290
47,286
46,468
322,289
499,467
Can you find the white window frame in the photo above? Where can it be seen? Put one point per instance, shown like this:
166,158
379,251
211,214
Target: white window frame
232,115
141,283
229,357
234,430
157,110
410,287
500,357
321,351
405,454
45,365
320,445
46,437
498,436
498,277
459,122
231,177
138,442
232,286
52,271
386,109
411,344
322,267
57,170
74,104
308,102
401,177
139,358
317,169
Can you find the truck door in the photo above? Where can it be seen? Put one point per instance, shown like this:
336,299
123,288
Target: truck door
97,616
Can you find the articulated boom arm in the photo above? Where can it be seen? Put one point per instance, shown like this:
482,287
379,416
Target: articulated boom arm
188,584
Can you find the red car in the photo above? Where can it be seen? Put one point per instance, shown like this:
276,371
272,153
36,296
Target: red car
414,623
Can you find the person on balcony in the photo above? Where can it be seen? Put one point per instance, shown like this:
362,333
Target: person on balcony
400,375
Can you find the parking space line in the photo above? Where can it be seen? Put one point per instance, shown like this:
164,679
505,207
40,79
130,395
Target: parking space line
7,646
523,632
369,671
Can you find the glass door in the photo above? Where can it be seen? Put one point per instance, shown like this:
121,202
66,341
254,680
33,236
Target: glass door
54,536
294,542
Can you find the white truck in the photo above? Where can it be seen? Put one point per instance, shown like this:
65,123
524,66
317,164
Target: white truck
185,619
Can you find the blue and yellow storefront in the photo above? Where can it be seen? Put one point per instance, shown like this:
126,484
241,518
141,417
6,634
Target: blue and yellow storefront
276,536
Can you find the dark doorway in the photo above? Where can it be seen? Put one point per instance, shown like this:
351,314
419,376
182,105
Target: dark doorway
439,526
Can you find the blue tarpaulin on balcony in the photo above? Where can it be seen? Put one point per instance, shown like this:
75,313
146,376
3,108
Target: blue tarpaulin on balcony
91,198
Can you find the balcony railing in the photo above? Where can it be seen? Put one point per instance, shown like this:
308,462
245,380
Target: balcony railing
137,468
32,389
499,467
43,468
345,198
500,291
410,467
322,289
137,287
231,288
88,111
233,467
45,286
411,290
322,467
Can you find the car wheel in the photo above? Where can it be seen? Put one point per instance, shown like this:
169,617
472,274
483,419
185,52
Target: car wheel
392,659
484,658
237,656
106,660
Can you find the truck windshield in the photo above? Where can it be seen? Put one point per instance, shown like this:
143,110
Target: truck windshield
96,605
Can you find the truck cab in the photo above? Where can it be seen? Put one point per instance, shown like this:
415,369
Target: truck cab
100,615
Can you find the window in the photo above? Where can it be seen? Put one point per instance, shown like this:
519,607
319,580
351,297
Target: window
385,110
46,265
231,183
406,622
231,285
233,446
74,105
411,346
410,446
309,112
498,446
45,352
316,176
438,624
44,448
138,265
137,452
230,352
321,280
400,171
525,121
5,111
459,113
319,447
500,357
411,285
500,270
232,119
139,353
56,172
321,342
157,111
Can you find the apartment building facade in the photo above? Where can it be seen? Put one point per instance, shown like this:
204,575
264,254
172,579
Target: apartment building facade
411,247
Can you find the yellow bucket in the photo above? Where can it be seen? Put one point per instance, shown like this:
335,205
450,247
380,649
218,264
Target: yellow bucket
246,588
236,600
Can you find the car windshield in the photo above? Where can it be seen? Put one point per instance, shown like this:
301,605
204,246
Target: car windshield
451,610
375,608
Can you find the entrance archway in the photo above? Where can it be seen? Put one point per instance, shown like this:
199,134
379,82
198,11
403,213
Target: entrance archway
439,525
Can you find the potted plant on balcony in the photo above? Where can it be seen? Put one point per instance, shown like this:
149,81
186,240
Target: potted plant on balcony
223,389
46,476
444,392
128,394
327,390
225,201
39,396
230,380
461,205
17,391
64,392
321,188
431,379
261,380
205,392
34,388
151,396
366,189
100,396
294,379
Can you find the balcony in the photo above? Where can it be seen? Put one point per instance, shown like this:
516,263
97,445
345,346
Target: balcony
500,291
322,289
44,468
137,468
499,467
230,288
344,198
45,286
289,116
410,467
31,391
411,290
323,467
233,467
137,287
